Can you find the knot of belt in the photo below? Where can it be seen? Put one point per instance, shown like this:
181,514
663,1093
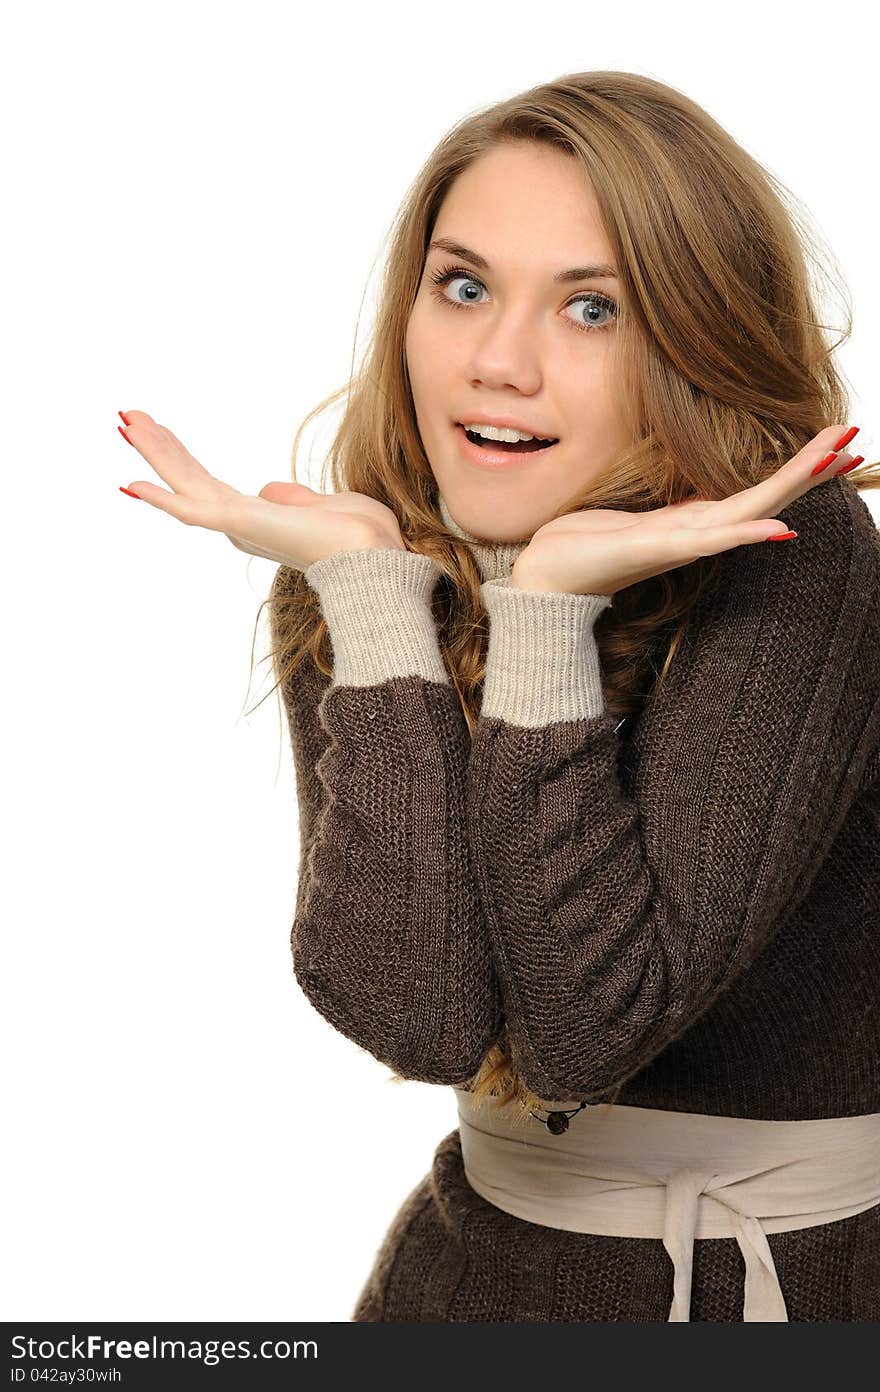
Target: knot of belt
763,1295
723,1176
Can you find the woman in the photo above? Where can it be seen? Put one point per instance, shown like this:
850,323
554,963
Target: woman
588,775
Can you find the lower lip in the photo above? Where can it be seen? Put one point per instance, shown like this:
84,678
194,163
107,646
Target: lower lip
498,459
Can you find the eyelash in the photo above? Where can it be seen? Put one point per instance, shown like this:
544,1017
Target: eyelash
447,273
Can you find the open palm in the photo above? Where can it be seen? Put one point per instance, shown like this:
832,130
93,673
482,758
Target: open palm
603,550
285,522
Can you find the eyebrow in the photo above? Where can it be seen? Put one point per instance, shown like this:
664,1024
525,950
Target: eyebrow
599,270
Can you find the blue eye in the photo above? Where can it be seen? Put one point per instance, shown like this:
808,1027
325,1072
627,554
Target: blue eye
591,298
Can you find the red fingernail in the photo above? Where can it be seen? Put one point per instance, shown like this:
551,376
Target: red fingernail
125,418
132,495
781,536
841,444
124,436
823,463
859,459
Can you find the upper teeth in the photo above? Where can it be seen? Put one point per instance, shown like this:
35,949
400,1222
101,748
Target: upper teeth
494,432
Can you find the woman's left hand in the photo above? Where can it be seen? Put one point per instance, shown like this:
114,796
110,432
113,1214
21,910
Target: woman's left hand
603,550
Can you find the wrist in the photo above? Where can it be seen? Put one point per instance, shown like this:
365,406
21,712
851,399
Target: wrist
525,577
386,543
376,603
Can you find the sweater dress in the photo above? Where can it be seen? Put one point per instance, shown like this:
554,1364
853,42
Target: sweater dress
685,903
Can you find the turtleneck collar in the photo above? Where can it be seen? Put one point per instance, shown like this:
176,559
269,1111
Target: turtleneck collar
494,560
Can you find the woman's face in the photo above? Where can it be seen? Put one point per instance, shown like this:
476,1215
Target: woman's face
507,341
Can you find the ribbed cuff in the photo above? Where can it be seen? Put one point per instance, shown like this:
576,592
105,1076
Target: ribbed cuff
542,662
376,602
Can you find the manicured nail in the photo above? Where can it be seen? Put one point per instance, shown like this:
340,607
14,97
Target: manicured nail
125,418
132,495
124,436
841,444
823,463
781,536
859,459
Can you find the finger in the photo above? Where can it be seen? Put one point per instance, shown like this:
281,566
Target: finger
265,526
160,498
180,445
171,459
788,483
687,545
213,513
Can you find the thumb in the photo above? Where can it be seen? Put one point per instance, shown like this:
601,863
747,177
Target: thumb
288,493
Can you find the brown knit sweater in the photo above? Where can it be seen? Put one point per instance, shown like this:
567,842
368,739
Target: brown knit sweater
687,904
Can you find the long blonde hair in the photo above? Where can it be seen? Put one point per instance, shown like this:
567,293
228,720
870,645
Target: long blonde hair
723,356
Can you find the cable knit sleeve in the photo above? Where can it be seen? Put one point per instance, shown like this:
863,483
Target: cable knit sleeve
619,910
389,939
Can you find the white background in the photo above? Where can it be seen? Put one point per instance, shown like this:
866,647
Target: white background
197,201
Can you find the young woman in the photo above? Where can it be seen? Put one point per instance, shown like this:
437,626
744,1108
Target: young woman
588,774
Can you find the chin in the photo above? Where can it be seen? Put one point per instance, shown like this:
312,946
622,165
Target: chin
514,540
494,539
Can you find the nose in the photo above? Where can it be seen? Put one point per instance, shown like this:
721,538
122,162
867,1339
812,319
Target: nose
506,356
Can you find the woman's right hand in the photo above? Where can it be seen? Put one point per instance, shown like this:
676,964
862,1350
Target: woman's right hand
286,522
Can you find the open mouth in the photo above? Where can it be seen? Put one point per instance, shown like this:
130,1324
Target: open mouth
515,447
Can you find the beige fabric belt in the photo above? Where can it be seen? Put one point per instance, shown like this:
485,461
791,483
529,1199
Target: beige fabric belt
639,1172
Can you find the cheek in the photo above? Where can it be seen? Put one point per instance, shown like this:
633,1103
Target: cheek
591,389
417,348
427,356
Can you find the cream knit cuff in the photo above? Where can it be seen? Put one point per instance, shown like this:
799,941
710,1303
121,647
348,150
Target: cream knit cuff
376,602
542,663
